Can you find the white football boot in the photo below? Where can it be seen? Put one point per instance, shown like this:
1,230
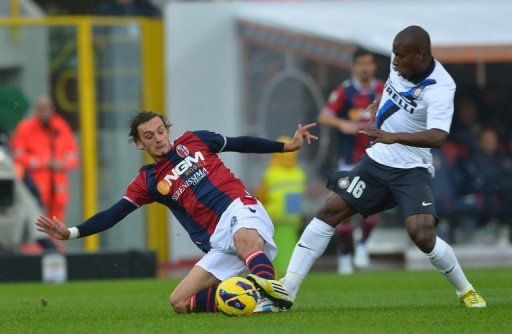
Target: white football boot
345,265
265,305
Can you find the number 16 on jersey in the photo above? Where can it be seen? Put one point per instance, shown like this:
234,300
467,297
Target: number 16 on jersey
356,187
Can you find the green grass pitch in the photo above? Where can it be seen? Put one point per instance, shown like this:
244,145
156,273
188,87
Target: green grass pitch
371,302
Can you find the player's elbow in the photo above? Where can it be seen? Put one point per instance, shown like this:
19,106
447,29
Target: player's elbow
322,118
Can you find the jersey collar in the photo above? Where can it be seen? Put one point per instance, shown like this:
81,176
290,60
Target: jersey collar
359,87
422,76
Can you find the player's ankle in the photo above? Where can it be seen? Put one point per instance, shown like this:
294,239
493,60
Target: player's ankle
292,282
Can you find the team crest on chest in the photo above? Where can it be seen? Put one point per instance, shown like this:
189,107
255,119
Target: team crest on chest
417,92
182,151
344,182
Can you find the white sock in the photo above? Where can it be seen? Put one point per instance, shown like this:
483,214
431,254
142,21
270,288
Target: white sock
311,245
443,258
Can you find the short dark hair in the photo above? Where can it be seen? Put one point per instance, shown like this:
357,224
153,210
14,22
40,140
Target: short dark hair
360,52
143,117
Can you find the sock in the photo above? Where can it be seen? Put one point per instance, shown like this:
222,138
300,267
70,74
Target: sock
367,226
204,301
260,265
345,238
443,258
311,245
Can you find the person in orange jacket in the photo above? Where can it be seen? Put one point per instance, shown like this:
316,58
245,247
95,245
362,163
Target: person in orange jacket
45,146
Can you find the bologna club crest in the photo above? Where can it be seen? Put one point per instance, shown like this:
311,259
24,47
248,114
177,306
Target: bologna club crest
182,151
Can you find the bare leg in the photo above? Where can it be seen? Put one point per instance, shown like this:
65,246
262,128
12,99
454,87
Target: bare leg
249,247
196,281
422,232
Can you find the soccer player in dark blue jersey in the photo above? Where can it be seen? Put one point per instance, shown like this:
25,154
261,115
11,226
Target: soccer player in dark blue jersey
221,217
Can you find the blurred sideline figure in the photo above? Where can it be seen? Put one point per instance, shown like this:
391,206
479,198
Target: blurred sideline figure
214,207
281,192
485,176
45,148
18,209
346,111
414,115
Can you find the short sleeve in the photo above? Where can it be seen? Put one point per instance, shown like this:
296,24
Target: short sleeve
137,192
214,141
440,107
335,102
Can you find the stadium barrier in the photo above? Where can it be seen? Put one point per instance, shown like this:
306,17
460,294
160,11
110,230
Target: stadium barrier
81,266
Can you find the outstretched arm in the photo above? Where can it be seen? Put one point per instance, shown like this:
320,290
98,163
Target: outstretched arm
247,144
344,125
99,222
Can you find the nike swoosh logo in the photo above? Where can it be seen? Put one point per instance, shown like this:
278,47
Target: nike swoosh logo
449,271
425,203
301,245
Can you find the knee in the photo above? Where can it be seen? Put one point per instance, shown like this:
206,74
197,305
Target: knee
247,241
328,215
333,215
335,210
178,304
422,233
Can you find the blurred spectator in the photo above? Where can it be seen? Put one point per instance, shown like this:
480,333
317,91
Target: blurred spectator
491,104
486,168
483,180
281,192
504,125
346,112
127,8
465,127
44,146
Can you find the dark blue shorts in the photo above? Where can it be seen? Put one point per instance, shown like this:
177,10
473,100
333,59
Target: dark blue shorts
371,188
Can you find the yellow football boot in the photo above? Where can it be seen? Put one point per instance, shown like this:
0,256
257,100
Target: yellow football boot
273,290
472,299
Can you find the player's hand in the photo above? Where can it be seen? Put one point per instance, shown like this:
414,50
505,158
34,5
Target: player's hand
372,109
298,138
348,127
380,136
55,165
53,227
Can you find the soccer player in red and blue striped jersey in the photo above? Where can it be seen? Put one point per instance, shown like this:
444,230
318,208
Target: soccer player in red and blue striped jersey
221,217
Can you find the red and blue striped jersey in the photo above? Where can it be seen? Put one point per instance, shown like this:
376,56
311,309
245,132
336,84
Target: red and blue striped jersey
349,101
193,182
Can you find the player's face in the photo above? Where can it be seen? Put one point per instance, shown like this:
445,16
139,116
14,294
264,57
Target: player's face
364,68
407,61
154,138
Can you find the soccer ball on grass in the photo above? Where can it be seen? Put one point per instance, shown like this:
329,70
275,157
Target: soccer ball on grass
236,296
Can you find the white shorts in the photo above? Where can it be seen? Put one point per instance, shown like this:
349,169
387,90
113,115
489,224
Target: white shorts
221,261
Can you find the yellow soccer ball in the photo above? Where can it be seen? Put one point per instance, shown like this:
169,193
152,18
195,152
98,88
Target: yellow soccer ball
236,296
